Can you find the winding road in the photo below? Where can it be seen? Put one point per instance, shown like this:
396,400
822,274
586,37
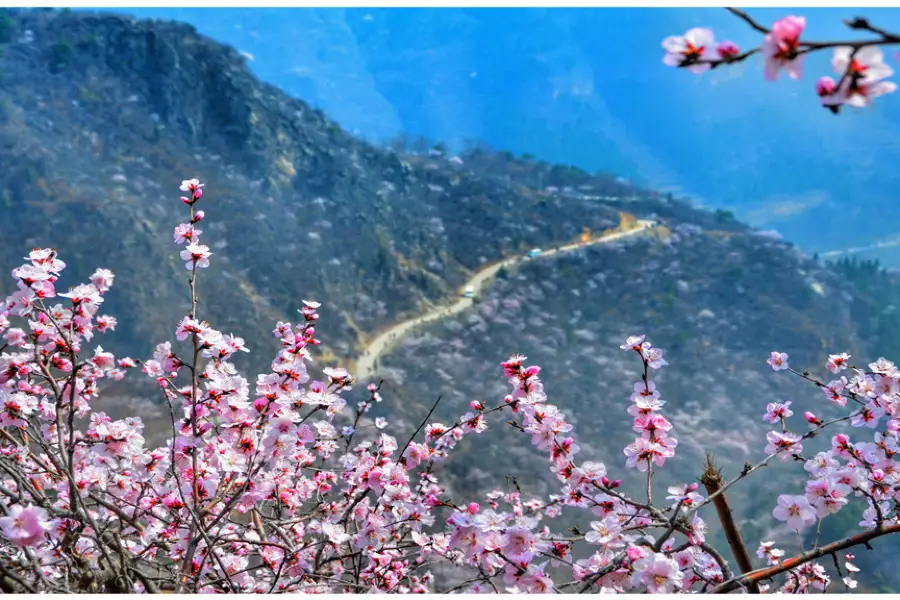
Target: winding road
387,339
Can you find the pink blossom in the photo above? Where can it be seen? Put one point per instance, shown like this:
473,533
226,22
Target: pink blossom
867,416
190,185
25,525
786,444
834,391
519,543
690,50
102,279
882,366
829,504
632,343
46,258
776,412
778,361
781,48
187,233
195,188
768,551
685,494
795,510
603,532
654,357
106,323
659,573
860,94
643,451
866,63
862,77
196,256
837,362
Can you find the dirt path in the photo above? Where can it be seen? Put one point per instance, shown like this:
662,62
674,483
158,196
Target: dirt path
383,342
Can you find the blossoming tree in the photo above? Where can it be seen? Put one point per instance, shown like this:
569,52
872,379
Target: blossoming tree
859,64
277,486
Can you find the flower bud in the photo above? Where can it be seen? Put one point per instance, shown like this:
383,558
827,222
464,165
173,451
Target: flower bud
476,405
199,216
811,418
841,439
727,50
472,508
825,86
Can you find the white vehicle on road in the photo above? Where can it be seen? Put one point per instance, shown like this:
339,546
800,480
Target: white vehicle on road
469,292
534,252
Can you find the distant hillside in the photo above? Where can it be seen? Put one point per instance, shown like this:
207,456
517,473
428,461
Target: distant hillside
102,116
541,80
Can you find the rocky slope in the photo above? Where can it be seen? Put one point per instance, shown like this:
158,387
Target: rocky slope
540,80
101,116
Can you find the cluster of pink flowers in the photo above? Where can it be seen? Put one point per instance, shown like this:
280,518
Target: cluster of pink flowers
860,67
864,469
277,486
654,445
697,50
861,75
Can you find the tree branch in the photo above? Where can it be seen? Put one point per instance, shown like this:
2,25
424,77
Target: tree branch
712,481
796,561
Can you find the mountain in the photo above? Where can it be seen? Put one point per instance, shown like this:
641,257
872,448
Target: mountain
586,87
101,116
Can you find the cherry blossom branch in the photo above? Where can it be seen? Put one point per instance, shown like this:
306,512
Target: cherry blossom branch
884,38
858,62
196,193
748,468
800,559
